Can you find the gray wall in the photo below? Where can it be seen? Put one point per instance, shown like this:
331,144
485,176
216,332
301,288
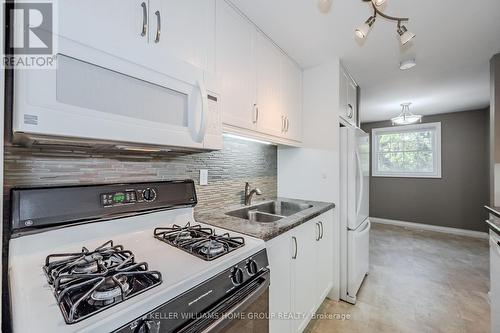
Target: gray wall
229,168
456,200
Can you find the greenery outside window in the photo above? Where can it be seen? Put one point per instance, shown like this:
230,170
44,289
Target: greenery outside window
407,151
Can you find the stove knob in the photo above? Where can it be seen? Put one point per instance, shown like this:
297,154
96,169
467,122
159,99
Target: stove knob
252,267
149,194
237,276
147,326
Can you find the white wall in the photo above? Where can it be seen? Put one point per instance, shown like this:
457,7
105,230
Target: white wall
312,172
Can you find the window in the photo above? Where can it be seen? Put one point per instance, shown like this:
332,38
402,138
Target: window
407,151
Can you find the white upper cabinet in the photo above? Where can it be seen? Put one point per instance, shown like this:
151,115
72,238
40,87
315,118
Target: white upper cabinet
184,29
235,66
261,87
348,97
291,91
118,34
269,101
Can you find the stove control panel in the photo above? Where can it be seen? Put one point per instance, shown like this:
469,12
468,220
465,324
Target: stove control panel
128,197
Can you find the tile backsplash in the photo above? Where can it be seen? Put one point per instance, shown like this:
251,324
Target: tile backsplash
228,169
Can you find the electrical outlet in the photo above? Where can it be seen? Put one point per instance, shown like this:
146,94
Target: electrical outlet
203,177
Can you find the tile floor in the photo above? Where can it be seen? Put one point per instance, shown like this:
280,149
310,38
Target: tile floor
419,281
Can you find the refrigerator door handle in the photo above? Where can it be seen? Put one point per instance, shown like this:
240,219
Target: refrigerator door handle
361,180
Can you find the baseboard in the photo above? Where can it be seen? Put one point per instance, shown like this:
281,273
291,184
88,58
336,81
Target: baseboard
419,226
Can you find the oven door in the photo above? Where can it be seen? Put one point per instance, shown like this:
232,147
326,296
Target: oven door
246,311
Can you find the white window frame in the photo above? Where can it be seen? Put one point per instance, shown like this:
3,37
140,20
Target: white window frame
436,127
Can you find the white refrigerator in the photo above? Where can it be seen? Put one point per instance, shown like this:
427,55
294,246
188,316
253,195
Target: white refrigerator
354,210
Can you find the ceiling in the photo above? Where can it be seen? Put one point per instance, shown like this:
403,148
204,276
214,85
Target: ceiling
454,42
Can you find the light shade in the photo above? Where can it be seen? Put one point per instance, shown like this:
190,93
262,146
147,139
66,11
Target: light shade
407,64
363,30
378,2
324,6
406,117
405,35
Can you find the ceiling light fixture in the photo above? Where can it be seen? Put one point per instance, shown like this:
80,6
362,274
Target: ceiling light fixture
324,6
407,64
362,31
406,117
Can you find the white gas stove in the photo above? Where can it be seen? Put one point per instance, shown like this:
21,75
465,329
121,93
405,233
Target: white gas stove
137,267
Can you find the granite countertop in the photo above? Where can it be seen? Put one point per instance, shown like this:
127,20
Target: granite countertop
265,231
494,223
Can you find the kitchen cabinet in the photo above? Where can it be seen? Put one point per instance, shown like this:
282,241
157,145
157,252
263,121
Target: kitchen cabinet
324,257
235,66
291,92
348,97
185,30
269,102
301,272
261,87
279,252
149,32
495,283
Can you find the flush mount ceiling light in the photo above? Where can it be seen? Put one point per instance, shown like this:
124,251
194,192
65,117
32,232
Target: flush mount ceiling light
363,30
407,64
406,117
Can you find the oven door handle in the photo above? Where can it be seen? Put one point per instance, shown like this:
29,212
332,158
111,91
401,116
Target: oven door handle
222,322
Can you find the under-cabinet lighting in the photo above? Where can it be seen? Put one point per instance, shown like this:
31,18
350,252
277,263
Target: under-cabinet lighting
227,135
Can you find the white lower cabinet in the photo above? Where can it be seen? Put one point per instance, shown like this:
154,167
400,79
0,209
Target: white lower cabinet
301,273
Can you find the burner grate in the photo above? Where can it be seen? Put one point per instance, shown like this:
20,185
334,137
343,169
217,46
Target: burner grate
199,241
91,281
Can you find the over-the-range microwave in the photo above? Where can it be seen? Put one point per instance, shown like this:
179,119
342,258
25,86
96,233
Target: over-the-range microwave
99,100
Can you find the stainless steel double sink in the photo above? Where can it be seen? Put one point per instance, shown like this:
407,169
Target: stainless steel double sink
270,211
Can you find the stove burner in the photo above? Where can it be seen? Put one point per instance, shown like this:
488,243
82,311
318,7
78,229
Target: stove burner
110,291
88,282
212,247
199,241
183,235
88,264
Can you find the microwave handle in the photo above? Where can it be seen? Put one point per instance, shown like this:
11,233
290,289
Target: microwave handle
204,110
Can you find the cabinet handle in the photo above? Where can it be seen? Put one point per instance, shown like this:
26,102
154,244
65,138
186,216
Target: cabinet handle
158,26
282,124
287,124
296,248
321,234
144,19
256,113
351,111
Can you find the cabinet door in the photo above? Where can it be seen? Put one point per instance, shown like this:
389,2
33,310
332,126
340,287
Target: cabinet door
269,113
291,83
324,256
235,66
343,87
279,254
185,30
113,26
352,102
303,273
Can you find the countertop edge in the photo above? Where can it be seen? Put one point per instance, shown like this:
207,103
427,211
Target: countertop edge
219,219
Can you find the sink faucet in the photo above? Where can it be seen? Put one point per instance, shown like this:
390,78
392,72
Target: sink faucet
249,194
